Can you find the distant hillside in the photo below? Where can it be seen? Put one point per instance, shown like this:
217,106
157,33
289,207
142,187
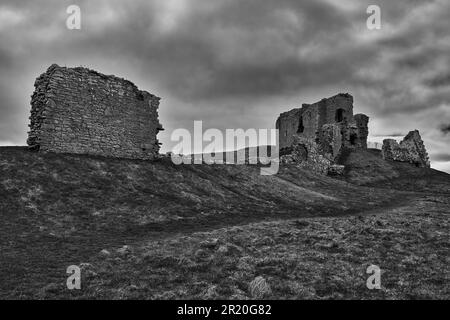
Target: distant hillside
58,210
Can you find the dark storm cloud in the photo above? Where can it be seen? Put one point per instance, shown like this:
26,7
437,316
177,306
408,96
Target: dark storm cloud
240,48
439,80
239,62
394,134
445,129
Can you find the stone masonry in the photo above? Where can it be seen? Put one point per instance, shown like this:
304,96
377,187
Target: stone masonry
77,110
324,129
411,149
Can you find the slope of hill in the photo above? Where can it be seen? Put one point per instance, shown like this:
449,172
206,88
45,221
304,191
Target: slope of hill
207,231
366,167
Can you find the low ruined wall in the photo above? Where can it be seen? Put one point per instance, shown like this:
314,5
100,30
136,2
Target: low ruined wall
306,154
77,110
411,149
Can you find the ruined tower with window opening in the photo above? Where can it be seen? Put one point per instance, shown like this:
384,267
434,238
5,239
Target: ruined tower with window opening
317,133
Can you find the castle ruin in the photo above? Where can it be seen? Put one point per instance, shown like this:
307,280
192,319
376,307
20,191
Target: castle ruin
316,134
411,150
78,110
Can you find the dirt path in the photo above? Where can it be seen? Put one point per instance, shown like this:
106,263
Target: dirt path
34,262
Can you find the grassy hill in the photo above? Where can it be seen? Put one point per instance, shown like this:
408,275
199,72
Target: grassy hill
154,230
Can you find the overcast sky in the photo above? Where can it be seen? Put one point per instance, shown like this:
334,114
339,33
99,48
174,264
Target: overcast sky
238,64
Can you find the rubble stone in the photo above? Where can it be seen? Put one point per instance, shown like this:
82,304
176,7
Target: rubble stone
306,154
411,149
336,170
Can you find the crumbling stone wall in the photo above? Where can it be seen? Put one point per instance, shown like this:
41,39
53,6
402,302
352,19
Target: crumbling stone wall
308,120
411,149
331,141
77,110
301,121
306,153
329,125
362,130
328,108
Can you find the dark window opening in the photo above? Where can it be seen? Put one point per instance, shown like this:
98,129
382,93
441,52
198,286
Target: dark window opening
300,128
353,138
340,115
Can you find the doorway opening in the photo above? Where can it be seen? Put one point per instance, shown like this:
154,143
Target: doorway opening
340,115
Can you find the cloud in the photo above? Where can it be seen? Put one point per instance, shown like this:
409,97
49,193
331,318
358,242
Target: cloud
445,129
240,63
439,80
387,134
9,18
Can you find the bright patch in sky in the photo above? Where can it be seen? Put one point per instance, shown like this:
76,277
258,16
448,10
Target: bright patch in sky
9,18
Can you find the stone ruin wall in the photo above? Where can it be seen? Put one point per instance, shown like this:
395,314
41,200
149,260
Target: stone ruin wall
411,150
288,124
306,154
314,117
323,133
329,106
361,130
77,110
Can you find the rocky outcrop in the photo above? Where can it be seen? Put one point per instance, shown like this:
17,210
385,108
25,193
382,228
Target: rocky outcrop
77,110
411,149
